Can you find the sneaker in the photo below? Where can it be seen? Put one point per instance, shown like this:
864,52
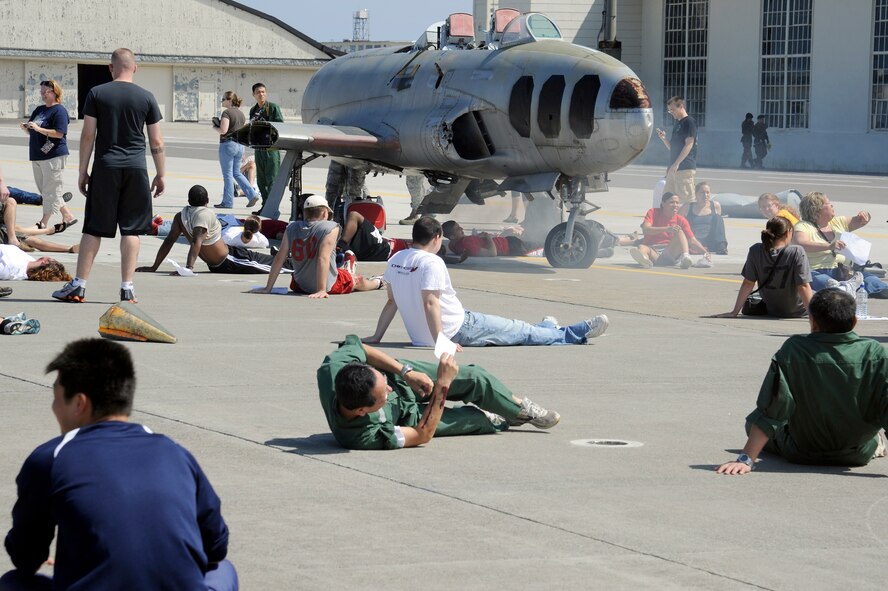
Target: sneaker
67,196
411,219
128,295
222,206
349,262
536,415
71,293
12,326
5,291
703,263
499,423
685,261
253,202
854,283
832,283
597,326
641,258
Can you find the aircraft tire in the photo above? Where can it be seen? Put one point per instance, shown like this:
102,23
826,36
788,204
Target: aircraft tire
580,254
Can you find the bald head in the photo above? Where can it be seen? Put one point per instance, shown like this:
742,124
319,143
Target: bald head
123,63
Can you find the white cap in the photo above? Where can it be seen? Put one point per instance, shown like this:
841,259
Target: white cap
316,201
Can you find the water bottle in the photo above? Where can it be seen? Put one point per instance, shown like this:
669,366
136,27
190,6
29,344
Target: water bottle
862,305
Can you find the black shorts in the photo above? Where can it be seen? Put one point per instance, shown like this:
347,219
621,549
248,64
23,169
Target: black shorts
243,261
118,197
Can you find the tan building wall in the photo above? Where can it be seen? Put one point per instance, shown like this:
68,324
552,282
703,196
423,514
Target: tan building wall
189,52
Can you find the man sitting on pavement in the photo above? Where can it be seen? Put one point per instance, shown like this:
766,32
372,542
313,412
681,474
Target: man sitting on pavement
825,396
483,244
373,401
200,226
310,244
132,509
419,287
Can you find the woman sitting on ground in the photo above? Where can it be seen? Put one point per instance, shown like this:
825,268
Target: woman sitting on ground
704,215
17,265
781,271
667,236
819,233
769,206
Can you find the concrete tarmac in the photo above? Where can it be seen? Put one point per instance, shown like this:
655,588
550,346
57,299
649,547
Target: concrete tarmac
525,509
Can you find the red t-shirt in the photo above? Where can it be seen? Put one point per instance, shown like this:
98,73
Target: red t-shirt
656,218
474,244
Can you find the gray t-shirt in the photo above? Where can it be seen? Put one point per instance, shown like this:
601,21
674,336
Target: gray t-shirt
305,240
781,294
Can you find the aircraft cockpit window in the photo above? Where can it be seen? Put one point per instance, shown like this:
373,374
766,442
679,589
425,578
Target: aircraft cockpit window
542,28
529,27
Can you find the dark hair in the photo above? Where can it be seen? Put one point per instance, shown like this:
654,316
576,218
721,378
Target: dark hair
257,85
198,196
776,228
761,117
230,95
102,370
447,228
251,226
354,384
425,230
676,100
833,310
666,196
749,115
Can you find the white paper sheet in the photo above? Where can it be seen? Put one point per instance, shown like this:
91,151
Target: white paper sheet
856,248
184,272
444,345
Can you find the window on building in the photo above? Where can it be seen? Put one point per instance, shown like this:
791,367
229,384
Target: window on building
786,62
685,51
879,115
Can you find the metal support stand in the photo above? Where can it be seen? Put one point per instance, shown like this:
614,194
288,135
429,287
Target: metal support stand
289,175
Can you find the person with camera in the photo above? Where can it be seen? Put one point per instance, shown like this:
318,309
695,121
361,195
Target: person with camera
231,152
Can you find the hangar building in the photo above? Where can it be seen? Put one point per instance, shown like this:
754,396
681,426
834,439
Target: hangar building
188,51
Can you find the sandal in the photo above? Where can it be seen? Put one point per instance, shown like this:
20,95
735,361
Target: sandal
41,226
60,227
71,222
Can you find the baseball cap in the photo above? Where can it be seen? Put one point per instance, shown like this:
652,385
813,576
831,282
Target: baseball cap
316,201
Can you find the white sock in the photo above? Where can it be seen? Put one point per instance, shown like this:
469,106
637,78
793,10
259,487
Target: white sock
78,282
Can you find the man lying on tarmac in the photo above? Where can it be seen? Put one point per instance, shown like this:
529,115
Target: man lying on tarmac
201,227
373,401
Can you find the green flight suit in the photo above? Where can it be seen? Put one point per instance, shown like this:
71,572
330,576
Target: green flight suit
268,162
377,430
824,399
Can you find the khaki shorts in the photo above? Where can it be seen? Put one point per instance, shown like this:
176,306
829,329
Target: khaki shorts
682,184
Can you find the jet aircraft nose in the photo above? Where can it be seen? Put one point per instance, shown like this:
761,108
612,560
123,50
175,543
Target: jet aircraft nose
630,97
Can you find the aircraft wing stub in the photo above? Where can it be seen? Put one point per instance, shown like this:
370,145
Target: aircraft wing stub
332,140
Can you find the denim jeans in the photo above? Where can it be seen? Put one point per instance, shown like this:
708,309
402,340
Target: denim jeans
25,197
479,330
871,283
230,154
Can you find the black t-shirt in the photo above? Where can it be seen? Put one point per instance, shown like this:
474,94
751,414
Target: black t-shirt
368,244
121,109
684,129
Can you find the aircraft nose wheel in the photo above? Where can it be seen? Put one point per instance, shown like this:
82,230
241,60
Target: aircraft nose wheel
580,253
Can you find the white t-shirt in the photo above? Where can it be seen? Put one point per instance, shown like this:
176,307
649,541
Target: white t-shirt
232,237
14,263
409,273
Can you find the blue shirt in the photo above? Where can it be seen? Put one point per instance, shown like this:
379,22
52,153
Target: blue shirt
133,511
41,147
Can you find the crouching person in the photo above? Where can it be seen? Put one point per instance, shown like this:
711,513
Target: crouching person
373,401
131,508
825,396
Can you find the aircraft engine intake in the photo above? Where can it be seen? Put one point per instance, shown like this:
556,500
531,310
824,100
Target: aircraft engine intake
470,138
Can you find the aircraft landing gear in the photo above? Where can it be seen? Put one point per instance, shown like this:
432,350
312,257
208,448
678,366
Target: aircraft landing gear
574,244
577,253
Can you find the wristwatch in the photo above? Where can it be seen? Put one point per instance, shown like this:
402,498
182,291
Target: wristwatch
405,370
745,459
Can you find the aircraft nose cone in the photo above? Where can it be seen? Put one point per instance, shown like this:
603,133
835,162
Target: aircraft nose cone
639,127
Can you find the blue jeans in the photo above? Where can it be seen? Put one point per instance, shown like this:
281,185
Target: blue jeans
230,154
221,578
25,197
479,330
871,283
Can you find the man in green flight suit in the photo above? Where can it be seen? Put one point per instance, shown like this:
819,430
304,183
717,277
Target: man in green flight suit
268,162
373,401
825,396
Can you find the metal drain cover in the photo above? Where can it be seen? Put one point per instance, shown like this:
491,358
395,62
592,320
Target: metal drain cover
611,443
